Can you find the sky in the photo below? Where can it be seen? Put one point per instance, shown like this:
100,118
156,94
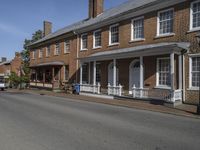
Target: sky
19,19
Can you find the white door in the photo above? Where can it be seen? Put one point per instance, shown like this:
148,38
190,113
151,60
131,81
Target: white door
134,75
110,74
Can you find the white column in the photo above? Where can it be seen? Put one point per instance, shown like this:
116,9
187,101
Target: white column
141,73
81,73
172,70
180,64
94,73
114,73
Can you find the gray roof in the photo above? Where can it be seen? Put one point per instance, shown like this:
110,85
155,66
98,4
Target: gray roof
125,7
54,63
143,49
5,62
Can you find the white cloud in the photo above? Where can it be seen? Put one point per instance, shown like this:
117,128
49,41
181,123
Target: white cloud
12,30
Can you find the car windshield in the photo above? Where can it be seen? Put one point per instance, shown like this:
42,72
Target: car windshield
1,80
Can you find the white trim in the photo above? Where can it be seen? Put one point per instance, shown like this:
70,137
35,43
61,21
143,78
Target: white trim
94,41
141,73
132,29
157,73
83,49
172,70
114,73
114,25
158,22
180,64
191,16
190,71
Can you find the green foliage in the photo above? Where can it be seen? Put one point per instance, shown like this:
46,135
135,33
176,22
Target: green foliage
14,79
26,52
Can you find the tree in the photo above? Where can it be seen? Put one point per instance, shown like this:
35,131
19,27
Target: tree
26,52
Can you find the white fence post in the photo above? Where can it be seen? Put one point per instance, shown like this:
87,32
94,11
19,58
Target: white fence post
109,89
98,88
120,90
133,91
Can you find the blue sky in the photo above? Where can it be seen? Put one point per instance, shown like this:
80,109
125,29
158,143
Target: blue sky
20,18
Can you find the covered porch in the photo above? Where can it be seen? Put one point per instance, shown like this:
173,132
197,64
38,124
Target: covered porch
146,72
46,75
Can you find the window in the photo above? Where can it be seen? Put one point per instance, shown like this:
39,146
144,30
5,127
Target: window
98,73
85,73
84,42
66,73
194,71
40,53
97,39
33,54
66,46
57,50
48,51
195,15
114,34
163,72
138,28
165,22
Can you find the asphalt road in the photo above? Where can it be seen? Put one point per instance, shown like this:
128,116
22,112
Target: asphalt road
35,122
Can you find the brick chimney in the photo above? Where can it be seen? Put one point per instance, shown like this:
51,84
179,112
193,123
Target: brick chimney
95,8
47,28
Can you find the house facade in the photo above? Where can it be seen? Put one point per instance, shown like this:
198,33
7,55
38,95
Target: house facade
142,49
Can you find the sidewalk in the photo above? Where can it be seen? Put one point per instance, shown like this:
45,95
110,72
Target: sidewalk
181,110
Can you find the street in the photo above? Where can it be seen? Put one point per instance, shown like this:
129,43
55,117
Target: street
39,122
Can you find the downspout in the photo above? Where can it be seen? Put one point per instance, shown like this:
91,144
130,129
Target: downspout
77,55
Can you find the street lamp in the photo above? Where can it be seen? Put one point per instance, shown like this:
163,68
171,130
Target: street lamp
198,106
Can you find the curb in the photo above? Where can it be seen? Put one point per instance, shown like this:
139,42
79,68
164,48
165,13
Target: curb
113,104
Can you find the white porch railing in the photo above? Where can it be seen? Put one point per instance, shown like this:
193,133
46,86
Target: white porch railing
115,90
161,94
90,88
37,84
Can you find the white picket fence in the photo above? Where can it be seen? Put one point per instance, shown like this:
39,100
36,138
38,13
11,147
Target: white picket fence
161,94
90,88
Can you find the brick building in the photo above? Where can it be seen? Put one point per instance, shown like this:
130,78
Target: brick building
6,67
142,49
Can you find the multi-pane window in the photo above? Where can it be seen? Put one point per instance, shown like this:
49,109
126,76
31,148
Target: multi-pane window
48,51
40,53
66,46
195,71
57,50
66,73
85,73
138,28
114,34
97,39
163,72
84,39
98,73
33,54
165,22
195,14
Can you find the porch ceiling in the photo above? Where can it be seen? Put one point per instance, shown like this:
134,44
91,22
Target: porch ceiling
144,50
55,63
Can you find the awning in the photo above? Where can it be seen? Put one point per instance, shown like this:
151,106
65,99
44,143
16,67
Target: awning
136,51
55,63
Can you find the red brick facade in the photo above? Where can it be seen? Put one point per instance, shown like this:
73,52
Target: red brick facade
181,30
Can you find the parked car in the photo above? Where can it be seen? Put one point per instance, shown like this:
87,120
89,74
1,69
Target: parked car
2,83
